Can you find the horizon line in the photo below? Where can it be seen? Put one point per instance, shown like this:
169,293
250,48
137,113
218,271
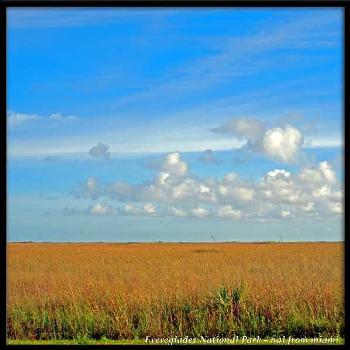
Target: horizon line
176,242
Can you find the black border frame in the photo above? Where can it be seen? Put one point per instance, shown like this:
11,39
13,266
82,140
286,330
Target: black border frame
344,4
175,3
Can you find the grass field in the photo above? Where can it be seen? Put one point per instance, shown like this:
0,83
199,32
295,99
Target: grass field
86,341
125,292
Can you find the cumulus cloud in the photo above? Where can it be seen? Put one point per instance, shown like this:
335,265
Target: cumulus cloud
89,189
281,144
336,208
286,214
131,209
101,209
200,212
177,211
100,151
238,193
227,211
173,165
149,208
322,174
328,172
140,209
277,173
279,194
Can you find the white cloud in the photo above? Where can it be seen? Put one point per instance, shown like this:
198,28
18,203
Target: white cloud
174,165
237,192
336,208
286,214
137,209
327,172
277,173
177,212
101,209
243,128
90,188
131,209
324,191
185,138
280,144
311,176
200,212
231,177
61,117
308,207
228,212
318,175
279,194
162,177
100,151
149,208
15,119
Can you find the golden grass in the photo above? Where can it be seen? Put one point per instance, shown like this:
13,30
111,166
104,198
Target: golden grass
125,291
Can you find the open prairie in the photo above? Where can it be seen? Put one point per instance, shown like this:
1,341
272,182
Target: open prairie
130,291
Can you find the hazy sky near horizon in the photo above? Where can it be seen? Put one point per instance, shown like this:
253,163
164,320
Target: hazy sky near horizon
174,124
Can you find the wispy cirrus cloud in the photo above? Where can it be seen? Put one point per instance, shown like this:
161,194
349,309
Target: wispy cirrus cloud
61,117
65,17
17,119
237,57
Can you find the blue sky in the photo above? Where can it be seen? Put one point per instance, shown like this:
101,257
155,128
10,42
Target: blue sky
175,124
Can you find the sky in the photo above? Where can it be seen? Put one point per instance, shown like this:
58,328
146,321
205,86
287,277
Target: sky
170,124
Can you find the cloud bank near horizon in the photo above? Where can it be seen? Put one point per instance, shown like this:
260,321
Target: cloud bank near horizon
174,191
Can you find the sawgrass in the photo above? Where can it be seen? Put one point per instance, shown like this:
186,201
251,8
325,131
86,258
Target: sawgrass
86,292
